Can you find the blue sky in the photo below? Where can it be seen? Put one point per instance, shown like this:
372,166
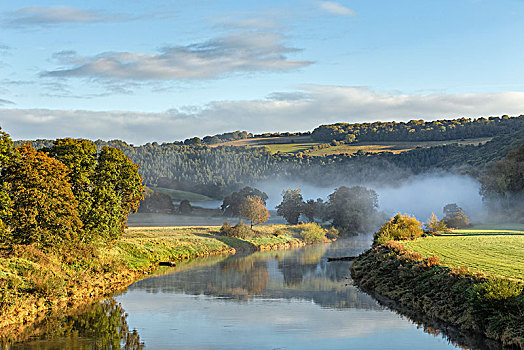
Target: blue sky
166,70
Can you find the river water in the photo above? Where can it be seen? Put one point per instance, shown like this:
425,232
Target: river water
292,299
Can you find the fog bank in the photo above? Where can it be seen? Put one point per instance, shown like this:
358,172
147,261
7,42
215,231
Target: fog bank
418,195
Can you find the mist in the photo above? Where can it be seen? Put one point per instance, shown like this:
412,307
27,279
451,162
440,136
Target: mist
418,195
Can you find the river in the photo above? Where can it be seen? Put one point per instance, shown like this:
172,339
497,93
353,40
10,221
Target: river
290,299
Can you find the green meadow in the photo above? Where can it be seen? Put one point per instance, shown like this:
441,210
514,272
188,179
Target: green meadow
491,250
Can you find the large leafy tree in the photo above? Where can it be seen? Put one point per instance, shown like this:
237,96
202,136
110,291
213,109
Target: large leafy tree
291,206
254,210
80,156
44,209
353,209
6,156
231,204
117,192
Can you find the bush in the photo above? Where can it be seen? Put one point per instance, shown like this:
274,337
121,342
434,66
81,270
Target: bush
240,230
332,233
312,232
399,227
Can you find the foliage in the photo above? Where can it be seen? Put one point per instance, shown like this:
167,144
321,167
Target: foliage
44,209
291,206
353,209
185,207
314,209
240,230
399,227
231,204
417,130
455,216
312,232
254,209
503,185
117,193
156,202
80,157
434,225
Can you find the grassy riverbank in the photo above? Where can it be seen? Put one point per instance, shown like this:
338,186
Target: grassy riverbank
34,283
470,280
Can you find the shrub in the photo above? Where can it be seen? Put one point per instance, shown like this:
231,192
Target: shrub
312,232
399,227
332,233
240,230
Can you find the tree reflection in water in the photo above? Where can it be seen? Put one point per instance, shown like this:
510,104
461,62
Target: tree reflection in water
100,326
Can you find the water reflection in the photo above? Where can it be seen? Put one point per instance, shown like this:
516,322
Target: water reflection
290,299
287,274
99,326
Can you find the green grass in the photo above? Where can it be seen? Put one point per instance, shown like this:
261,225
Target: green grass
487,249
178,195
389,146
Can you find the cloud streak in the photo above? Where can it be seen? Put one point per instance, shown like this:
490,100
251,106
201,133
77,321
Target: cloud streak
240,52
335,8
291,111
40,16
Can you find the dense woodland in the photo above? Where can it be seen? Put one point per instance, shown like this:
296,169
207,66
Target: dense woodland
419,130
220,170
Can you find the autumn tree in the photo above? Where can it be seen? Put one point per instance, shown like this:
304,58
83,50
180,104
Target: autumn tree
117,192
435,225
291,206
399,227
45,211
231,204
254,209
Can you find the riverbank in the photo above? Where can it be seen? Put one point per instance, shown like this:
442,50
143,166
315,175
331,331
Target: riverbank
34,284
471,302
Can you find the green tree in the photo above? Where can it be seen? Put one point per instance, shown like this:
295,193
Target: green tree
353,209
45,209
254,209
118,190
80,156
6,156
399,227
291,206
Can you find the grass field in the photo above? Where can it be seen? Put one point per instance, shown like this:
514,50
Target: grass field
496,251
394,147
178,195
295,144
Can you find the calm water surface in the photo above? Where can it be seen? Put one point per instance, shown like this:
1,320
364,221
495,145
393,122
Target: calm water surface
291,299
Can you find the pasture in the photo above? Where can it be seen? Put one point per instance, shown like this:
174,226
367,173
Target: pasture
485,249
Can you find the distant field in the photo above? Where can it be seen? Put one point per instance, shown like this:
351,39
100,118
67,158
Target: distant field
394,147
486,249
295,144
178,195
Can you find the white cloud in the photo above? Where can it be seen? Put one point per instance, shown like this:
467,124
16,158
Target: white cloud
48,16
239,52
300,111
336,8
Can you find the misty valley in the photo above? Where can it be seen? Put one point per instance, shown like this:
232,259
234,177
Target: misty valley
373,235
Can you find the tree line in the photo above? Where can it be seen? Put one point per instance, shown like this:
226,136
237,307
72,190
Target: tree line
419,130
70,192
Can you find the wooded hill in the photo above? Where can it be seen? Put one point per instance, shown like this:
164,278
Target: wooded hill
217,171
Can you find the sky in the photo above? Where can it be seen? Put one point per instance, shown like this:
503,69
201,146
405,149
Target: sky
166,70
